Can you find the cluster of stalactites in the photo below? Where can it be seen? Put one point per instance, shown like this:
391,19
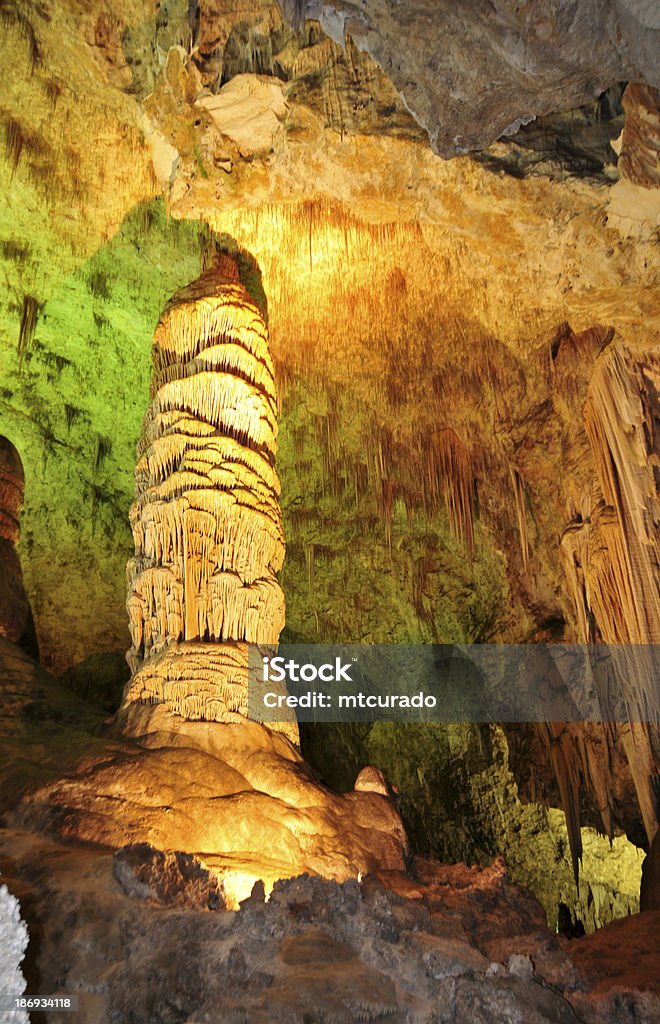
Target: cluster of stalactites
449,471
621,425
206,518
611,551
611,555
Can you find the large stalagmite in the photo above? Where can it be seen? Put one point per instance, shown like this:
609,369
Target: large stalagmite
201,586
206,518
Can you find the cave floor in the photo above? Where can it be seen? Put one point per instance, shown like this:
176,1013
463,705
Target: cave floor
438,944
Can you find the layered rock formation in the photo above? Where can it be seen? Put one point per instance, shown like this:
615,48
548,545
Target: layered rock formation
206,518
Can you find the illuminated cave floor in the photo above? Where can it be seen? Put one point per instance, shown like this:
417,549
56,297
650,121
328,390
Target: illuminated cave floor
442,945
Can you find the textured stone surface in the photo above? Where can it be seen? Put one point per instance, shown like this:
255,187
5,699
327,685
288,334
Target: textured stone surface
471,73
14,942
206,518
639,159
444,944
172,878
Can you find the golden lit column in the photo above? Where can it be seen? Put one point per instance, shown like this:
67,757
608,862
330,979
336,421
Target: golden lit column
206,518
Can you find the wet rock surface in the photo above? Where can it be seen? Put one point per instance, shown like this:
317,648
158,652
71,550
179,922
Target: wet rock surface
443,944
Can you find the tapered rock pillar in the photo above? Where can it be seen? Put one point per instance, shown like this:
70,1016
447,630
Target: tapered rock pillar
612,561
15,617
206,518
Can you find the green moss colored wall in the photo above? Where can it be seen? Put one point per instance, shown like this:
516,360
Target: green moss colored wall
73,392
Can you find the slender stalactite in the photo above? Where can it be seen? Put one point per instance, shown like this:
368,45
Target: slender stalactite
206,518
519,495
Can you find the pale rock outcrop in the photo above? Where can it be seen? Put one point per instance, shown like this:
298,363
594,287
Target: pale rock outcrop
12,949
249,110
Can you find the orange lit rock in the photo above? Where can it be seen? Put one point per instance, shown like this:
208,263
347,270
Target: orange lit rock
14,605
610,555
640,144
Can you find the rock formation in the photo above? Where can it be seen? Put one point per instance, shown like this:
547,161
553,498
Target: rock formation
444,944
201,586
611,551
206,518
14,943
640,142
14,605
470,73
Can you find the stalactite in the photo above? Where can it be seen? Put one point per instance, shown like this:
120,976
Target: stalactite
206,518
449,470
611,561
13,144
622,428
29,314
519,496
